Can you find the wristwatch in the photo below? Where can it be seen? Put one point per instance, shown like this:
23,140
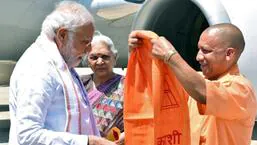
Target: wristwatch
169,55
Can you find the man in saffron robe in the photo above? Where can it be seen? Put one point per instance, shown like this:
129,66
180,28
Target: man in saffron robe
222,105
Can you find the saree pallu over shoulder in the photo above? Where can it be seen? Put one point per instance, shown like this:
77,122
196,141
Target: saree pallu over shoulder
103,89
107,102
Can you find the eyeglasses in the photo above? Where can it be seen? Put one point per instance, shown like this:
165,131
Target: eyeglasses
104,57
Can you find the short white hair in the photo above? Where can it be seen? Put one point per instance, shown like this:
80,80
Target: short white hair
100,38
67,14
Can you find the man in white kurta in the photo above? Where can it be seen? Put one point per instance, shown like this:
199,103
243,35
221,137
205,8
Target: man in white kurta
48,104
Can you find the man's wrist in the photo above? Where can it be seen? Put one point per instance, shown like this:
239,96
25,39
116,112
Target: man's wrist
91,140
168,56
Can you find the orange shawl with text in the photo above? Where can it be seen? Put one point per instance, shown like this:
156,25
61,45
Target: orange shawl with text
155,103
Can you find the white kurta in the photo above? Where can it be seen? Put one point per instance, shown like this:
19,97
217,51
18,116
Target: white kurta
48,104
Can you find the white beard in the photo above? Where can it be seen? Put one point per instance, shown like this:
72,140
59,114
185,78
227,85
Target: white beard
68,55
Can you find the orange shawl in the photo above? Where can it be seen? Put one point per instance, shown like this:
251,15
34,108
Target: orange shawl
155,103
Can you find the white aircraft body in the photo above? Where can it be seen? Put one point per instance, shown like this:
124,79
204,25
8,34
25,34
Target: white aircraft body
21,23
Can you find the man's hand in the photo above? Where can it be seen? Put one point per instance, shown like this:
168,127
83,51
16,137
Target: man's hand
94,140
134,41
161,47
121,140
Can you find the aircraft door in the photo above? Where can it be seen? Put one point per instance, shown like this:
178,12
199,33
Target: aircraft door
181,22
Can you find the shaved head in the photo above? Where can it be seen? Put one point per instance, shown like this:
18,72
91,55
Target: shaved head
220,47
229,35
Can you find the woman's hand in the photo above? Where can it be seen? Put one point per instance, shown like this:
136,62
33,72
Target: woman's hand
121,140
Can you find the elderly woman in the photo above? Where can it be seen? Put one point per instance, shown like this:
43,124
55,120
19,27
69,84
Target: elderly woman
104,87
